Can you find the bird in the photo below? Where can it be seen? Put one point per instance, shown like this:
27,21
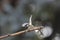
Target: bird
29,24
41,34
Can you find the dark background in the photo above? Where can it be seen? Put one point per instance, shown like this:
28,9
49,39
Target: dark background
13,13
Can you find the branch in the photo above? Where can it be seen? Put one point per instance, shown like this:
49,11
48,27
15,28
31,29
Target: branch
19,33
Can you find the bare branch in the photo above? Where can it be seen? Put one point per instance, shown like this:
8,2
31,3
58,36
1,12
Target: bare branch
19,33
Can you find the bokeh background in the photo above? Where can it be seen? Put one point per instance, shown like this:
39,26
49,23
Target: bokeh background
13,13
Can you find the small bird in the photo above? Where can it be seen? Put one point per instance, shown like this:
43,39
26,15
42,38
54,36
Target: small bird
29,24
42,33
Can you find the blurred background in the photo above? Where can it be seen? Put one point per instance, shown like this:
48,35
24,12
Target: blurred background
13,13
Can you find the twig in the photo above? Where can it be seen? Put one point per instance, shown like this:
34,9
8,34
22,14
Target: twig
19,33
